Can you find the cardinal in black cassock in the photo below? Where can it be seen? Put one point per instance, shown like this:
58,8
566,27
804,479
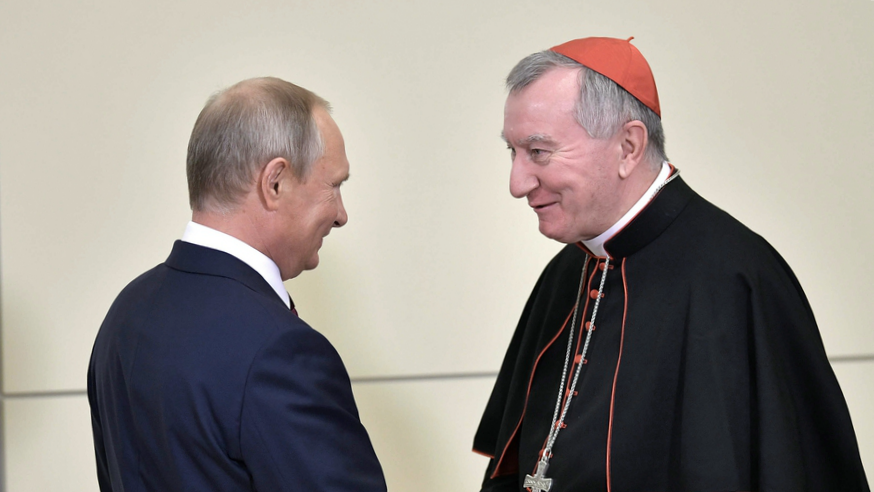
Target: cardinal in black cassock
703,369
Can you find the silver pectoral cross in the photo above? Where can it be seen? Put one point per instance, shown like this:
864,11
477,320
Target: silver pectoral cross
539,483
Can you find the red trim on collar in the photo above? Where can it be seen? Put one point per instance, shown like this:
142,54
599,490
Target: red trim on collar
583,247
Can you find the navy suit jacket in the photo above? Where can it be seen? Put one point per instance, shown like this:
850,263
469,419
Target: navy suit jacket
201,379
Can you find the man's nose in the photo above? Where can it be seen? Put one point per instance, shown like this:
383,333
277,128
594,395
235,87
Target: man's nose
522,181
342,218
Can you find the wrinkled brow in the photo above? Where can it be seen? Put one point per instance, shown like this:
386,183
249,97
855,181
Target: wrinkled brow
537,137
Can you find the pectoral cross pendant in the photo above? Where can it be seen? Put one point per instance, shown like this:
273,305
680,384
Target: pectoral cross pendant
539,483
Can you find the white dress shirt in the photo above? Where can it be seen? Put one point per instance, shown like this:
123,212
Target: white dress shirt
208,237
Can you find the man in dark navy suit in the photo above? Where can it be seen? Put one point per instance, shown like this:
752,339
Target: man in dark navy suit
202,377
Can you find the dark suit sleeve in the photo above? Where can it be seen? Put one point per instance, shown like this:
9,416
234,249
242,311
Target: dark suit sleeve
103,480
299,426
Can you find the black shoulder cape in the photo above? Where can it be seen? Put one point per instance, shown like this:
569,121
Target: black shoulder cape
706,370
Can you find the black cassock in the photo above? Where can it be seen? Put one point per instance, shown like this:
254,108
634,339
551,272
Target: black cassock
705,373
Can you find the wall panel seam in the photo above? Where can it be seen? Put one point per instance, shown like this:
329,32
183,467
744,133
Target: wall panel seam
836,360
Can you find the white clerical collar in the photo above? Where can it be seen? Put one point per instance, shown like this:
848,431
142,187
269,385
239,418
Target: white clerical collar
596,244
208,237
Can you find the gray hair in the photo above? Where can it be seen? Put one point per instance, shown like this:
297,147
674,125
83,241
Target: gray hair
603,106
240,130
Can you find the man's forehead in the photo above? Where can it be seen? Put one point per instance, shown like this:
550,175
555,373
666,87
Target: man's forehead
543,110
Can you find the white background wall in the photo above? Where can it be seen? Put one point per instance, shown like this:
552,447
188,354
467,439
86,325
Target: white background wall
766,106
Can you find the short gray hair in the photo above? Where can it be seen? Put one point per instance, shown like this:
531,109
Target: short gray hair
603,106
241,129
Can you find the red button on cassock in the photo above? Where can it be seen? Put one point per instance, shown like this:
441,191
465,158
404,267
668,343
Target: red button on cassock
594,294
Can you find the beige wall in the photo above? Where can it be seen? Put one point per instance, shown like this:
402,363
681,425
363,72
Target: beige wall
766,107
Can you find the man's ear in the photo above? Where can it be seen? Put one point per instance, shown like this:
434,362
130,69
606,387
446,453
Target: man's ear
634,139
272,181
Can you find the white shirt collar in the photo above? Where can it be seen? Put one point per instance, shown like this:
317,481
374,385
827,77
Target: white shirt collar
208,237
596,244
